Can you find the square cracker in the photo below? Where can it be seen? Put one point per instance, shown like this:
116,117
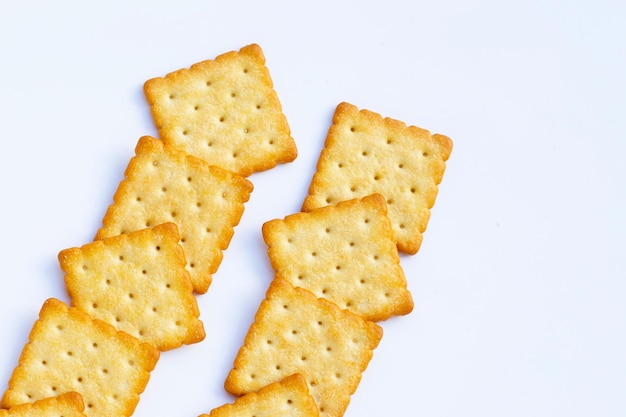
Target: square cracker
136,282
66,405
68,351
163,184
296,332
365,153
224,111
289,397
345,253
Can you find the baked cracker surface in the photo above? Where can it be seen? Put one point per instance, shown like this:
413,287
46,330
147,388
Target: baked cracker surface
365,153
65,405
288,397
162,184
296,332
345,253
136,282
225,111
68,351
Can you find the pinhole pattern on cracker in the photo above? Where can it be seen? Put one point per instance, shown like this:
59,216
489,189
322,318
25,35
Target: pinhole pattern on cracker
296,332
138,283
344,253
163,184
224,111
68,351
288,397
365,153
65,405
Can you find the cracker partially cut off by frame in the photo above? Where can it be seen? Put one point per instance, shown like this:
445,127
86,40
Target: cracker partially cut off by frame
138,283
68,351
65,405
365,153
296,332
345,253
163,184
288,397
224,111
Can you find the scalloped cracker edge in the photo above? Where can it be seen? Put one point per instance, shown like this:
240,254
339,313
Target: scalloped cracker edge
288,397
66,405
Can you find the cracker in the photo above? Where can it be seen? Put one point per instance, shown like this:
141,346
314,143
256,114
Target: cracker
365,153
68,351
289,397
66,405
138,283
345,253
163,184
296,332
224,111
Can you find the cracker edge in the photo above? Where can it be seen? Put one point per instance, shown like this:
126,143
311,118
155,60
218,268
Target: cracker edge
69,399
295,382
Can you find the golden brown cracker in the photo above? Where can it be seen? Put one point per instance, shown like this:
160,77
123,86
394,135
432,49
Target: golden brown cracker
224,111
163,184
365,153
288,397
65,405
345,253
68,351
137,282
296,332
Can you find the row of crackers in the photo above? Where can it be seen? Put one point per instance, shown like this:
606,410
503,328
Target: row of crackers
337,265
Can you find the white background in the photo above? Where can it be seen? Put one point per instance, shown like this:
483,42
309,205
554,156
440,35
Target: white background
520,284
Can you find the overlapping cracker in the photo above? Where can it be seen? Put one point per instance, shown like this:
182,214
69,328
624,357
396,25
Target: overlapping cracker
65,405
68,351
345,253
163,184
365,153
296,332
289,397
138,283
224,111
